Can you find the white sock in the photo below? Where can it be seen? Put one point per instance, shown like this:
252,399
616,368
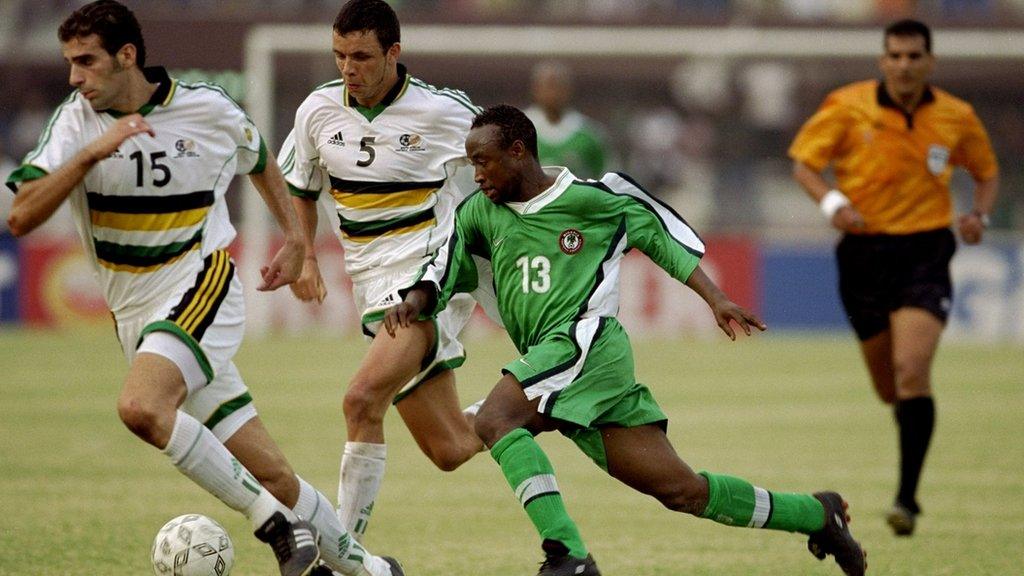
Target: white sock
197,453
338,549
362,469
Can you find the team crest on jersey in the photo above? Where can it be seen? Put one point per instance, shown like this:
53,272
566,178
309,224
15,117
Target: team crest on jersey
938,157
186,148
410,143
337,140
248,134
571,241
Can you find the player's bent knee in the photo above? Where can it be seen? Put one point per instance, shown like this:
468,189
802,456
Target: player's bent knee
912,376
363,406
145,420
448,459
491,427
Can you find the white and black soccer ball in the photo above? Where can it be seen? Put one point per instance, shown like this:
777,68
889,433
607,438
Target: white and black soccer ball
192,545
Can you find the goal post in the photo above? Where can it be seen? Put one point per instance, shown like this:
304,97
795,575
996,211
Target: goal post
265,42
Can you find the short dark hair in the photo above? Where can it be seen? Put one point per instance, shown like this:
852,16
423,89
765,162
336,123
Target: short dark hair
112,21
910,27
512,125
367,15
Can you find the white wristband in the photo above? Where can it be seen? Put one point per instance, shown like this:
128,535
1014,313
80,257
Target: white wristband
831,202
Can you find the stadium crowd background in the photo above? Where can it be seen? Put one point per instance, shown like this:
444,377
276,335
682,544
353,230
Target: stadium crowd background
708,135
940,12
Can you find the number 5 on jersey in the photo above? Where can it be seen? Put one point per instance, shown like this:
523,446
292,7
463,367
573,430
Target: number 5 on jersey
536,273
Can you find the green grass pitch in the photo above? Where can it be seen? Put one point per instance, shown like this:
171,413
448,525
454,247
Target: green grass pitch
80,495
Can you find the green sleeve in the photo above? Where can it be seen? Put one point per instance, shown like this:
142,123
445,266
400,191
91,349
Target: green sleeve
307,194
648,231
261,159
453,270
24,173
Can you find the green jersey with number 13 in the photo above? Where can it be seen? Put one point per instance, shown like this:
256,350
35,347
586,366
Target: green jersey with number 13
556,258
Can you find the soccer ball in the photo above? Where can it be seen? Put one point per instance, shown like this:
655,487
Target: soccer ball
192,545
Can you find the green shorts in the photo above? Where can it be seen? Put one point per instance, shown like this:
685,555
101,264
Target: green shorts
583,374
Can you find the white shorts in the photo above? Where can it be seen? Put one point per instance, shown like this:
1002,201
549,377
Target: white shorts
374,293
199,327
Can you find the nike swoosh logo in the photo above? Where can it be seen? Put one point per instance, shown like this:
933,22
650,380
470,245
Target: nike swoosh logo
523,360
499,241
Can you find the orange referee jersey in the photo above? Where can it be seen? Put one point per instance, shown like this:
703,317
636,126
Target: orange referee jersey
895,167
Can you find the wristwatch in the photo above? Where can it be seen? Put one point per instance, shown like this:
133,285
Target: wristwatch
985,221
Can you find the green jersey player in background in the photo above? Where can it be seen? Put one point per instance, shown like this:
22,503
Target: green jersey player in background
385,145
145,161
565,137
555,244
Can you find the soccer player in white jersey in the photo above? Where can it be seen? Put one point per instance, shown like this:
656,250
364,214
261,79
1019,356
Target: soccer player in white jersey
145,161
385,144
555,244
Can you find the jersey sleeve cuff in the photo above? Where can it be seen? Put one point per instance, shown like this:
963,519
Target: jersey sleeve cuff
687,270
24,173
815,164
300,193
261,161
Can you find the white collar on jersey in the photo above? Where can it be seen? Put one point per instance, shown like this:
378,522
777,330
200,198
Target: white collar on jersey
563,178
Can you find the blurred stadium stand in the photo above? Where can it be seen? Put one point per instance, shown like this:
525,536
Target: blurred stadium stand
940,12
708,135
711,131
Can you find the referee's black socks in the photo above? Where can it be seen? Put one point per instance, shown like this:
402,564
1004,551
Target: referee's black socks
916,420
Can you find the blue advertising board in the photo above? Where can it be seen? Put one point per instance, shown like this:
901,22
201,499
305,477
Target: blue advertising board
9,308
800,288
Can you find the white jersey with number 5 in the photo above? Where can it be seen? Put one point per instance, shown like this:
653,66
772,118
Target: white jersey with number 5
151,212
388,168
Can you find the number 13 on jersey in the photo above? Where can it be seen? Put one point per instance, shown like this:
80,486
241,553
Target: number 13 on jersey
536,273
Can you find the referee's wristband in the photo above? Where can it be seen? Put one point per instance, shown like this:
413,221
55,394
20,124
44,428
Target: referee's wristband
831,202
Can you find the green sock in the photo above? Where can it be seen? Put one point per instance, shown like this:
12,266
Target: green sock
531,476
735,502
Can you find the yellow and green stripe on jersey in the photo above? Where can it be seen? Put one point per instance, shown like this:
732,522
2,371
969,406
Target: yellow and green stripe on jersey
140,234
399,207
197,309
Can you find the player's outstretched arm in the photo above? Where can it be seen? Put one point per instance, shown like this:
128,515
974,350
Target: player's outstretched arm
286,265
37,200
310,284
417,299
726,311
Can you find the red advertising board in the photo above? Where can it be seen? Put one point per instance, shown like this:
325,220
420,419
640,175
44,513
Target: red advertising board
57,285
57,288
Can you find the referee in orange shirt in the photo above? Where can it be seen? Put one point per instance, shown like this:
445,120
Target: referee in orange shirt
892,145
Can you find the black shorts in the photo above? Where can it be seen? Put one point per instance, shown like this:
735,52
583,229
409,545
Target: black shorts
879,274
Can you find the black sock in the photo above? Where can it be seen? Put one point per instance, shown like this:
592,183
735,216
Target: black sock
916,420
